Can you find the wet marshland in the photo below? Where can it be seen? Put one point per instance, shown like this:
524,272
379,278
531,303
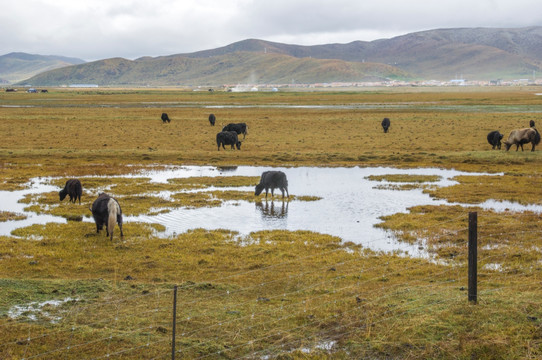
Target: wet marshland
349,202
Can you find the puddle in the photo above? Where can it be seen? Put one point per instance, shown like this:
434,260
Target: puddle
10,202
35,310
350,204
501,206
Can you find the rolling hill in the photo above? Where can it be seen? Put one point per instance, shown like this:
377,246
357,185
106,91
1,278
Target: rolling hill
477,53
15,67
233,68
442,54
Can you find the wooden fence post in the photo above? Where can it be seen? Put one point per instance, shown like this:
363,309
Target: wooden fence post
473,254
174,323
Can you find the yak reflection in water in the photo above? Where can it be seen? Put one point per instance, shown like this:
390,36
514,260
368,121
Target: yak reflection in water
270,210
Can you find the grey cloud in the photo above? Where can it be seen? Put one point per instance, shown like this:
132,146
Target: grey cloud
134,28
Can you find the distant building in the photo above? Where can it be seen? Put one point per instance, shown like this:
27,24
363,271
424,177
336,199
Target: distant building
83,86
457,82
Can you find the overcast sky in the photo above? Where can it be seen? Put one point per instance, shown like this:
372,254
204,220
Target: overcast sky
100,29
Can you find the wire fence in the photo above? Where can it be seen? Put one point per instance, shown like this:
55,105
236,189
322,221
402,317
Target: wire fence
313,309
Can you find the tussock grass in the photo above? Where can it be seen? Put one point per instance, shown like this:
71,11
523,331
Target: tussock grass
272,294
405,178
519,188
509,239
9,215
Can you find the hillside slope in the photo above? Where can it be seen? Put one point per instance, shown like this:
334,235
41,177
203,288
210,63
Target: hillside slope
233,68
475,53
15,67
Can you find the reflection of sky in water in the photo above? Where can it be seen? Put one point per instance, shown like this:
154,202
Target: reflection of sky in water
9,202
349,208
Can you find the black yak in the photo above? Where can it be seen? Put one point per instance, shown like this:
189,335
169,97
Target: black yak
212,119
531,123
107,211
385,124
74,189
494,139
165,118
272,180
228,138
240,128
519,137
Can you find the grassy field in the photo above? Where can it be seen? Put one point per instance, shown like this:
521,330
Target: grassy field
70,293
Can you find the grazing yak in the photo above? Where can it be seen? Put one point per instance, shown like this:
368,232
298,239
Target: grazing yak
519,137
386,124
107,211
494,139
531,123
165,118
212,119
240,128
74,189
228,138
272,180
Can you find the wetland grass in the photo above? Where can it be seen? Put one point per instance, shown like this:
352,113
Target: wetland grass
399,181
8,215
272,294
141,196
520,188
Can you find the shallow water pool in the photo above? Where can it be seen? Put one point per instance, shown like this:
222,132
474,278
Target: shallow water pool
350,204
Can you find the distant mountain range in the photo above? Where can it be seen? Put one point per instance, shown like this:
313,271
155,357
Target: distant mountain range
17,66
442,54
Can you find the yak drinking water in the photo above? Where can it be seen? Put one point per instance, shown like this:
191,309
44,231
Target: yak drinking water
272,180
74,189
106,211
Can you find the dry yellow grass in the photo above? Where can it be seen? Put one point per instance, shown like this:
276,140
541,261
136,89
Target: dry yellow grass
442,129
273,294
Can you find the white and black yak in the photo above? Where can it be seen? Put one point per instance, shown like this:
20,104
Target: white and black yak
385,124
165,118
240,128
212,119
272,180
74,189
106,211
519,137
228,138
494,139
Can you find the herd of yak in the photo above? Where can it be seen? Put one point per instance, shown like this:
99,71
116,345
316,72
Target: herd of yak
107,212
516,137
229,134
